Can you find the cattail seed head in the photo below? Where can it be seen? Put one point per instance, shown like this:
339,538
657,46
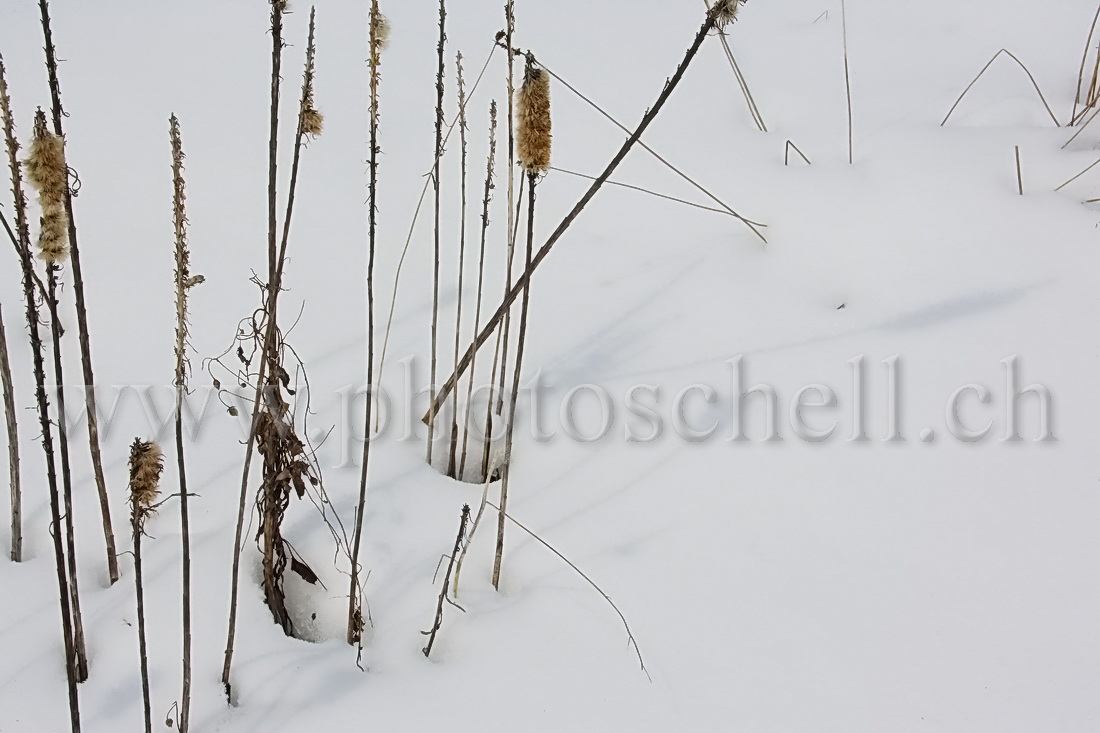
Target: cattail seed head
49,174
146,464
533,136
725,11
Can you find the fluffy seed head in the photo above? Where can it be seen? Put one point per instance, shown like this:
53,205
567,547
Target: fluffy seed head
533,136
313,122
725,11
379,30
49,174
146,464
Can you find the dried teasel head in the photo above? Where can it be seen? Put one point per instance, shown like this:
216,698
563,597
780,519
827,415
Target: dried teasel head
146,465
725,11
533,127
49,174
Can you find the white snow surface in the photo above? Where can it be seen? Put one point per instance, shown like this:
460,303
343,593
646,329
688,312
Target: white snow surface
782,586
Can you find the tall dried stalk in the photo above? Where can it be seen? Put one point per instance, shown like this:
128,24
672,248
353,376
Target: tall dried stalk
509,34
452,460
757,118
713,18
58,113
146,465
48,173
436,188
490,172
13,447
184,282
379,32
278,8
22,241
533,140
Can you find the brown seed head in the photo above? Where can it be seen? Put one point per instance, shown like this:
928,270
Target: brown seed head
146,464
725,11
49,174
533,136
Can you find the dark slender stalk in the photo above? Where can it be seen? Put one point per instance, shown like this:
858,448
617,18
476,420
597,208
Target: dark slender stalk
143,651
58,113
641,190
510,29
184,282
532,180
13,447
452,460
520,284
437,623
355,612
436,186
81,655
1019,171
787,153
490,172
22,242
273,288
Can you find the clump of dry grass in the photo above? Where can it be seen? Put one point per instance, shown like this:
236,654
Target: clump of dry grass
49,175
533,137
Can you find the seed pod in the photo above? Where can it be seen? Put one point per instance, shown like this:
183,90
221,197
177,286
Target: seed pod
49,174
146,464
533,136
379,31
725,11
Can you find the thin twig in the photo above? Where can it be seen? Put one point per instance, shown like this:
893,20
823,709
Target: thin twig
437,623
1093,165
787,153
630,634
642,190
986,68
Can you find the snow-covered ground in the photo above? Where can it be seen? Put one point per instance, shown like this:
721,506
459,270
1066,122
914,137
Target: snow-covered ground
787,585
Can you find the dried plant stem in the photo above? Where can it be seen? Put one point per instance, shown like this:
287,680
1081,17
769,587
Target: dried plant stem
143,652
497,389
985,69
412,226
274,287
787,153
22,242
741,82
1082,128
13,447
473,531
642,190
519,285
81,656
436,186
58,113
355,612
490,173
578,571
184,282
509,34
438,622
532,180
1093,165
753,225
1090,98
847,81
1019,171
452,460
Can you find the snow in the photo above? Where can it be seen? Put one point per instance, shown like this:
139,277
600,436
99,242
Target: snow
772,586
